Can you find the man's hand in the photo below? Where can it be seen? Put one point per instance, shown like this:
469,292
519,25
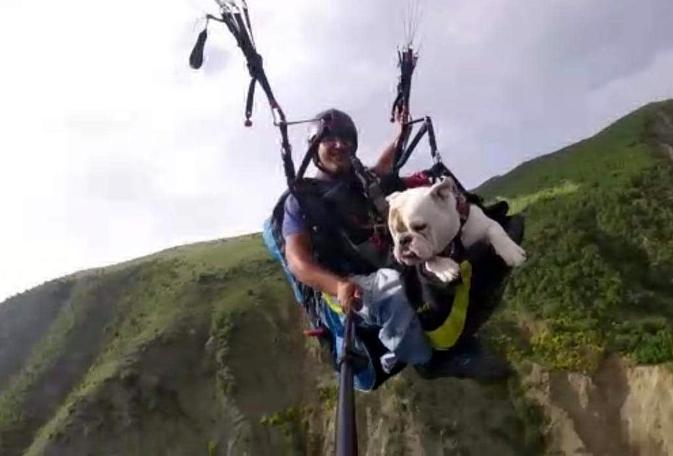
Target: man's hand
298,251
349,294
401,118
385,163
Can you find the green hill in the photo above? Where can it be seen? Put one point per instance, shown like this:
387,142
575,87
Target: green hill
599,231
199,350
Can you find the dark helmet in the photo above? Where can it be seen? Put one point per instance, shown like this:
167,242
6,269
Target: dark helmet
333,122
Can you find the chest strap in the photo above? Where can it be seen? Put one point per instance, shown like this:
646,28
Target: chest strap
445,336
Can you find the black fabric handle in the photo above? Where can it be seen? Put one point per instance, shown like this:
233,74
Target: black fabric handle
249,101
196,57
405,154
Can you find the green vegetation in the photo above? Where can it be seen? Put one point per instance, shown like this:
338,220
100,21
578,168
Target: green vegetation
518,204
212,448
198,348
599,218
532,418
293,422
115,315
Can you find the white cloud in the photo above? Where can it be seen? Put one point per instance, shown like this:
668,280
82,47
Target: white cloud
112,147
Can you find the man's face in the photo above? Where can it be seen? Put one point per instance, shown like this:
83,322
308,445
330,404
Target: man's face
334,153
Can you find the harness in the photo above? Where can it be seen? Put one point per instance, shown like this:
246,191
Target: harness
340,225
341,246
336,238
450,328
455,248
442,319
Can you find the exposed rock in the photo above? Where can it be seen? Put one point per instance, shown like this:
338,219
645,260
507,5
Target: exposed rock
620,410
662,131
647,411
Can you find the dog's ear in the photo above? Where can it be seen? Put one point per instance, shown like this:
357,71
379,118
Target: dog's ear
390,198
442,189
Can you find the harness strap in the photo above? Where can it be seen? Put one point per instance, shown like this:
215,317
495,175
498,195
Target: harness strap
237,20
447,334
463,207
332,303
455,248
406,60
372,187
321,224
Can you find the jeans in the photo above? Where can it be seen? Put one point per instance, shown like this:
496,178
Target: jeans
385,305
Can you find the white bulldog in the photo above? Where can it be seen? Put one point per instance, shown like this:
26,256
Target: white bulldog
424,221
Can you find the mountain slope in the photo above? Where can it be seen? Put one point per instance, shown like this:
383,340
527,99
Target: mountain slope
198,349
599,233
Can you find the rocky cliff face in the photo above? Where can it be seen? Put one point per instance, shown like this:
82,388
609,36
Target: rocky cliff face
662,131
621,409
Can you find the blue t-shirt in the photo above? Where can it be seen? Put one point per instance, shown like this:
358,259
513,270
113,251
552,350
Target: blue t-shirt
359,231
293,220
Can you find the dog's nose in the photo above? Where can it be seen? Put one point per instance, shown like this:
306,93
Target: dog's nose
405,240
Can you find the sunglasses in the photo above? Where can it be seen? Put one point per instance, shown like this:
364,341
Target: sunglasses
331,140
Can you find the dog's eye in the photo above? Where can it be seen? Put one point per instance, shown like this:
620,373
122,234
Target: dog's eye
419,226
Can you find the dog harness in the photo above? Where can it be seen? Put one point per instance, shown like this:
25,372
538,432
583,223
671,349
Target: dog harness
445,335
455,249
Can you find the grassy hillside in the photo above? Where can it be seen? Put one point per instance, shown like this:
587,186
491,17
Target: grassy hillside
599,218
143,326
198,349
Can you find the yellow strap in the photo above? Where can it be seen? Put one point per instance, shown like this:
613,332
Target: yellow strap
332,304
448,333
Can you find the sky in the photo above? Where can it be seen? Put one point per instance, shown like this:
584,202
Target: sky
111,147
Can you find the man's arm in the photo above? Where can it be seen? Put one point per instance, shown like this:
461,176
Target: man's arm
298,252
386,160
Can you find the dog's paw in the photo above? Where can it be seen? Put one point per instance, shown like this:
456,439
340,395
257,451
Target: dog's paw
445,269
505,247
512,254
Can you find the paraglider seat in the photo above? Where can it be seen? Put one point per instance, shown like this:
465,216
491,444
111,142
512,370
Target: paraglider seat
488,282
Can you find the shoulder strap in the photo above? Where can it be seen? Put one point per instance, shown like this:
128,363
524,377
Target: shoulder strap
325,230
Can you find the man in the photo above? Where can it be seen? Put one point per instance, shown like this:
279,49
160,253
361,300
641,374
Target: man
373,291
349,264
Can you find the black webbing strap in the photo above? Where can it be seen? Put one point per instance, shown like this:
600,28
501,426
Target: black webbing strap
425,128
406,61
237,20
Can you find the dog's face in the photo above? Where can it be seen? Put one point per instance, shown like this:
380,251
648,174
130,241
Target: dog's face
422,221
